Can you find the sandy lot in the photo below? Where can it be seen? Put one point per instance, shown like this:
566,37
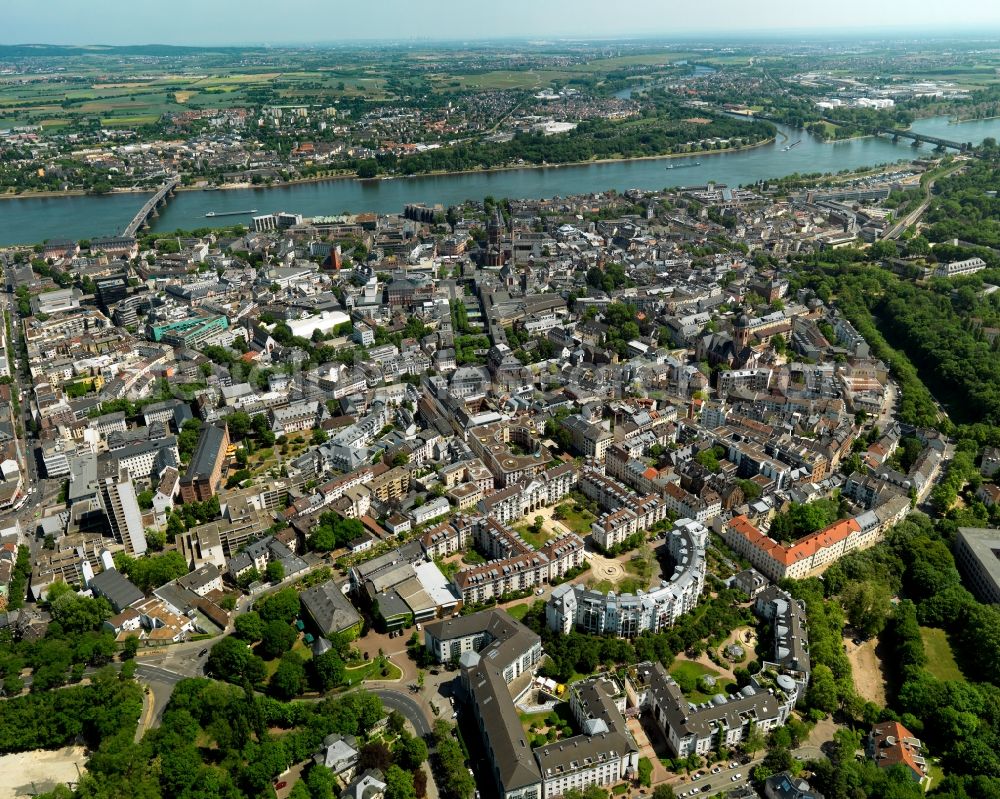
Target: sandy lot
602,568
30,773
869,679
549,524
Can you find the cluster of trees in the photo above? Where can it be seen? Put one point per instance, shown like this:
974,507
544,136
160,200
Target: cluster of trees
948,352
108,707
187,438
152,571
19,579
582,653
831,685
842,775
633,541
710,457
958,720
467,349
454,780
219,741
400,765
611,277
803,518
74,642
252,431
333,531
964,210
191,514
267,634
623,327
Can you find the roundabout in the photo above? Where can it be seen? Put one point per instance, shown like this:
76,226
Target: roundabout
602,568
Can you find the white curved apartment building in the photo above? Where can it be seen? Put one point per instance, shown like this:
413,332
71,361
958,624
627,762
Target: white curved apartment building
628,615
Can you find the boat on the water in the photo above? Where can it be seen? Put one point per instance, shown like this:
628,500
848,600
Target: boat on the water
231,213
683,166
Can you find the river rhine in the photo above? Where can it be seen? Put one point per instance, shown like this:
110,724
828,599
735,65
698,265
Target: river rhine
35,219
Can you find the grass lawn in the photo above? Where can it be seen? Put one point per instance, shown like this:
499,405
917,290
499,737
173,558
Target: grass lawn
628,585
935,773
370,671
687,673
940,659
537,540
575,518
690,669
519,611
641,564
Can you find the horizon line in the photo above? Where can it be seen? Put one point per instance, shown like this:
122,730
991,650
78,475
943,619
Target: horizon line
741,34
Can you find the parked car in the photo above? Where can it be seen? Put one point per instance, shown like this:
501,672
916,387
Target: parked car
737,777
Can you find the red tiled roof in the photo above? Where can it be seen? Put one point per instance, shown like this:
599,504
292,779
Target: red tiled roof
803,548
896,745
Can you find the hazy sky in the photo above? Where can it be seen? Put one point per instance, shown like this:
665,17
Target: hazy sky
197,22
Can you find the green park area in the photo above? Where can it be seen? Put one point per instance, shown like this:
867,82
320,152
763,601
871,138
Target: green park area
940,659
690,676
574,516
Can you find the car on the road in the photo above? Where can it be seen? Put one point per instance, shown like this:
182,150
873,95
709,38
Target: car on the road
736,777
706,788
539,592
419,627
734,764
203,652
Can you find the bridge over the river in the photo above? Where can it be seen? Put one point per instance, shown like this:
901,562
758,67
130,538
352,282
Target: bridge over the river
920,137
141,219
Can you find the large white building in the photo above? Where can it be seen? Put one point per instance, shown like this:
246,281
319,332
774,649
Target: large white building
967,267
628,615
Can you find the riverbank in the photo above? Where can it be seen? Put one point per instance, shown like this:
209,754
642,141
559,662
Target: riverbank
79,217
484,171
36,195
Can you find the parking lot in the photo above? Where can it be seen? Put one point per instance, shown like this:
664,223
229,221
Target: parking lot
713,779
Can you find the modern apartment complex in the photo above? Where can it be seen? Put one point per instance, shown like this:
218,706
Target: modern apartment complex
628,615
